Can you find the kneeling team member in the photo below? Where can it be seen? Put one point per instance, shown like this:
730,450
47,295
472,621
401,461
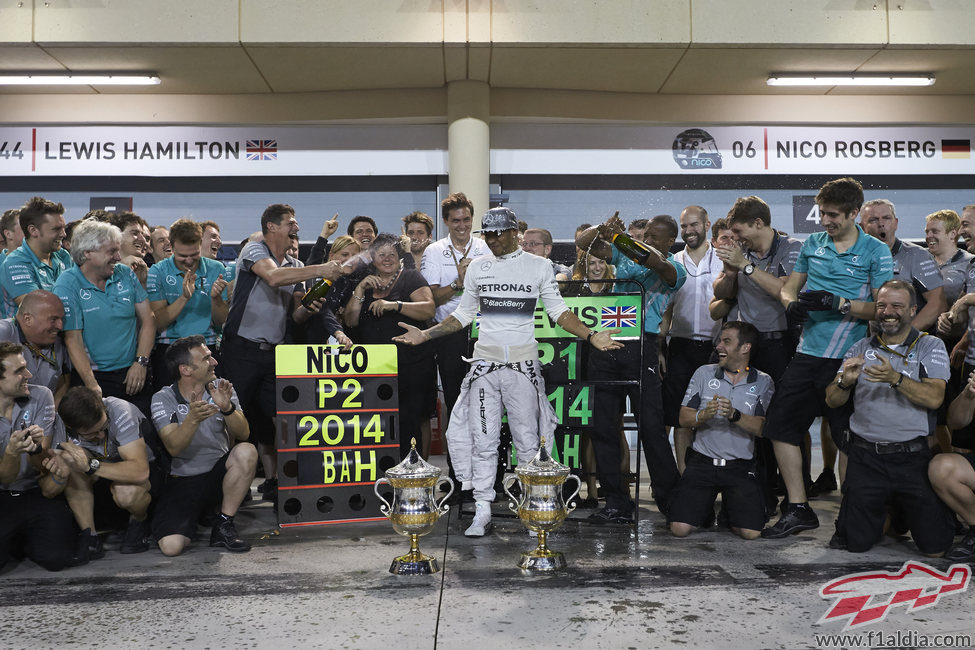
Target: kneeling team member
725,404
105,442
897,380
34,520
505,372
953,474
197,418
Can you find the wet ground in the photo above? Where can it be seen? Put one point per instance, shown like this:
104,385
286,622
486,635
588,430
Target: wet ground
328,587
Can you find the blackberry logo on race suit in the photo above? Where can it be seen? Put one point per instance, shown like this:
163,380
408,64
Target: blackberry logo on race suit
696,149
509,298
507,305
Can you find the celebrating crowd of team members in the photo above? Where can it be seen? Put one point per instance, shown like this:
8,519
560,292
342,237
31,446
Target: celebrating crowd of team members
137,370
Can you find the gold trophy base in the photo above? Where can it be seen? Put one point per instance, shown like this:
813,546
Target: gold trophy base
542,560
414,563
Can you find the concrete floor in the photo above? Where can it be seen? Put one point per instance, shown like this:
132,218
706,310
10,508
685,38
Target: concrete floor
328,587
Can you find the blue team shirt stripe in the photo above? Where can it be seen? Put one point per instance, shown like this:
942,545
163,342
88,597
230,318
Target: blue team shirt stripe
658,292
851,274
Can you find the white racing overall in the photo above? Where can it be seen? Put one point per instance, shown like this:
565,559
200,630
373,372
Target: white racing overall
505,372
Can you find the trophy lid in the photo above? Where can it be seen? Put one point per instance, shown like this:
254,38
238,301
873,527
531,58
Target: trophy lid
542,464
413,466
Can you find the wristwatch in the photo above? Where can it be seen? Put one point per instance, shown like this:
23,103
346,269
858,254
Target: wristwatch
453,285
845,307
142,361
93,466
749,269
735,416
840,384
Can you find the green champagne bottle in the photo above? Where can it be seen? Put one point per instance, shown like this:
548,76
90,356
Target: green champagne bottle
635,250
318,290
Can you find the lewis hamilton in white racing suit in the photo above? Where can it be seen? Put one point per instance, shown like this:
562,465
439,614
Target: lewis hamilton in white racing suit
505,372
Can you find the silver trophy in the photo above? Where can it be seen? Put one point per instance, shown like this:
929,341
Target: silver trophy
541,507
414,511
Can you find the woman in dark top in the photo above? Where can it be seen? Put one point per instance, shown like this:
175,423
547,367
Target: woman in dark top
387,296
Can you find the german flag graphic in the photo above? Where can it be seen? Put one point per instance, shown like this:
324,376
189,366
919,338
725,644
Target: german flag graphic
956,148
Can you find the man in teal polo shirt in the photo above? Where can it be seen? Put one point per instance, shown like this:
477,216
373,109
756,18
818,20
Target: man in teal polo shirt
842,269
109,329
39,260
187,295
12,236
660,276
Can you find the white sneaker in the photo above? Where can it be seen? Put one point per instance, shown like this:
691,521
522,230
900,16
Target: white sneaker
482,520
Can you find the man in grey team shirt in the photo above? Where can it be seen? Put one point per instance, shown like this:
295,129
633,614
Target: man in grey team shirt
725,404
105,443
896,379
754,275
198,418
912,263
267,294
37,326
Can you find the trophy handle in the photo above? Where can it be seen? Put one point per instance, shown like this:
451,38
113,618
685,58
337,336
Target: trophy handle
569,508
506,483
386,508
442,507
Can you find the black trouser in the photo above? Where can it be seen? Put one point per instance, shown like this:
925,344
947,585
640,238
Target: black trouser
772,355
875,479
964,438
800,397
625,364
250,368
43,527
450,352
684,356
112,383
452,368
417,396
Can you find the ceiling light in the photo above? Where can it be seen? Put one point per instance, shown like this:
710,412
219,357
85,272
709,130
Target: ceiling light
832,79
78,79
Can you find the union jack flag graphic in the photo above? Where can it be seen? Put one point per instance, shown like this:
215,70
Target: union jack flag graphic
618,317
262,150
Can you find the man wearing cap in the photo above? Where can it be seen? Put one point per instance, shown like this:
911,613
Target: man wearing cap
505,372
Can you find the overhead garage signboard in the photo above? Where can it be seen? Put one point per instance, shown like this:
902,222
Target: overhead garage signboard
516,149
615,149
222,151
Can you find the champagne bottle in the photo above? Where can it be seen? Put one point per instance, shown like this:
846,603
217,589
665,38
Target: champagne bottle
635,250
318,290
